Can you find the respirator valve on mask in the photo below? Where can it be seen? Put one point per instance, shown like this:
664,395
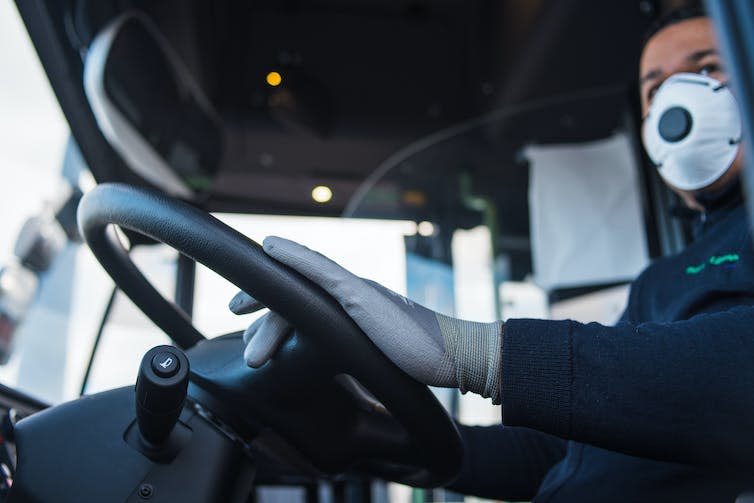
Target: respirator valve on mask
675,124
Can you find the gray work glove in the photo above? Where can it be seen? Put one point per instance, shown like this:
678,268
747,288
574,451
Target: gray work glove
432,348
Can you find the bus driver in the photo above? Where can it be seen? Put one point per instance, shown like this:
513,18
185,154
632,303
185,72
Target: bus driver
658,407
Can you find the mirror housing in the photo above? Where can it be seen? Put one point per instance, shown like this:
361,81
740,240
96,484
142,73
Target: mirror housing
150,109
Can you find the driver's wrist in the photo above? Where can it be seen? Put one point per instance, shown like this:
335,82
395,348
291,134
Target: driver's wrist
475,351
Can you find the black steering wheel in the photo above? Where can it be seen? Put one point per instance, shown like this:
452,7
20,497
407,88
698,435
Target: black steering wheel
298,395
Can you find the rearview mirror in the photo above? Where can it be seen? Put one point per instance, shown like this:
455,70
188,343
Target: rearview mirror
150,109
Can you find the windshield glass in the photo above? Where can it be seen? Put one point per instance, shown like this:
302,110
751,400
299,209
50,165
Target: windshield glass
33,135
510,212
437,163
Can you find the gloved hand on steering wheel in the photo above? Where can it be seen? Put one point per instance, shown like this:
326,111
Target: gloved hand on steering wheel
432,348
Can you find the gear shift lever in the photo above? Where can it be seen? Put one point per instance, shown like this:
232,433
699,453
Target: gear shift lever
160,393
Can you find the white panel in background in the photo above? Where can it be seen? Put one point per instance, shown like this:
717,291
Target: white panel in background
586,221
523,300
371,249
473,274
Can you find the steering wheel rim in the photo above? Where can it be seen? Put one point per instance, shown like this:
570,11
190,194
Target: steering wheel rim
434,437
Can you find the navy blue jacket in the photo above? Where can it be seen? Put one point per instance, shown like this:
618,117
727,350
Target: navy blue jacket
659,407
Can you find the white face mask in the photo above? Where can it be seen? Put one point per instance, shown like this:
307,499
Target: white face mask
693,130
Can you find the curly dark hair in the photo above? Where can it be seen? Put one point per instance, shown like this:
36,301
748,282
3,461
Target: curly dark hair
689,11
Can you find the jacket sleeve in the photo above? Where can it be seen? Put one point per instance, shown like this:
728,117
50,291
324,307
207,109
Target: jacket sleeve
506,463
680,391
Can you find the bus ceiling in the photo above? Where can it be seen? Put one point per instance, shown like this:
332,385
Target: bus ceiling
289,97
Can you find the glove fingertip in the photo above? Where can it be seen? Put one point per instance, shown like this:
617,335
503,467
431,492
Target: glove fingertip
253,357
271,242
268,242
283,249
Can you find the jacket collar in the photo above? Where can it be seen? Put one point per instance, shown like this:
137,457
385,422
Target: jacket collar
717,204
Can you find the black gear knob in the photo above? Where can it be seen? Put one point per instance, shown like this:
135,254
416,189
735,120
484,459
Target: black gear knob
160,392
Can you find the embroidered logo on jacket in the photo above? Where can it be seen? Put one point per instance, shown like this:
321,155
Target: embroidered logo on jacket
715,260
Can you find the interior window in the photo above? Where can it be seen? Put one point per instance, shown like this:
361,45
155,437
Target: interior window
33,136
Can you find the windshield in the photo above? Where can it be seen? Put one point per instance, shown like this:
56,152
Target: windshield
33,135
513,211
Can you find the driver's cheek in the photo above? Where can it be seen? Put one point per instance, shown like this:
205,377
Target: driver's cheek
721,76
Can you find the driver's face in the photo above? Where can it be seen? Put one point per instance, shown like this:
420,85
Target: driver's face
686,46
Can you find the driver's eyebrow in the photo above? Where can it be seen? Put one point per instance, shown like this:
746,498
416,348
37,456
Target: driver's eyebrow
691,58
697,55
652,74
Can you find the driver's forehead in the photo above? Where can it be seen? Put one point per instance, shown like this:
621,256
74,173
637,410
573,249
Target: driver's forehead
668,50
